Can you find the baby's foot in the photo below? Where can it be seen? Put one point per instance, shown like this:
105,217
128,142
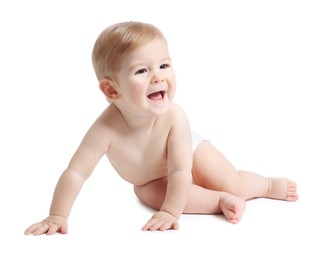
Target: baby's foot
232,207
282,189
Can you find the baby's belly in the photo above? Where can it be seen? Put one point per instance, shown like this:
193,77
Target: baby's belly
140,175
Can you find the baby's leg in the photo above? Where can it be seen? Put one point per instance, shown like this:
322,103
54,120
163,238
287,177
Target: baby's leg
200,201
212,170
204,201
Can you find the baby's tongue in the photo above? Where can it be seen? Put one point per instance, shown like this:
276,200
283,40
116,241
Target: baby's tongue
155,96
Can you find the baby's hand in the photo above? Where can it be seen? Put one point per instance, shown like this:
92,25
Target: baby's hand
161,221
48,226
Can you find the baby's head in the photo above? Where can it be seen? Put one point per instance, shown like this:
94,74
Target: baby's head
118,40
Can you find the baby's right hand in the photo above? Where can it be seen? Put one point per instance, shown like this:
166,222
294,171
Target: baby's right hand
48,226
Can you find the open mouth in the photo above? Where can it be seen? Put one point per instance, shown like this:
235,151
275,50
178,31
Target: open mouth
157,96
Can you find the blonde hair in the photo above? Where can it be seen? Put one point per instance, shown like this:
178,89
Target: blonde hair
118,40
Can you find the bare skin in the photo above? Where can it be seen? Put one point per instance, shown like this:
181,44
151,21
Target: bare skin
147,139
219,188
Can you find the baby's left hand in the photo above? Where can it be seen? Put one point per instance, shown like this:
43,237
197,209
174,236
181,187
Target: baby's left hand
162,221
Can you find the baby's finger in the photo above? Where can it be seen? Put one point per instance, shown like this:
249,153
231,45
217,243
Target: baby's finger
52,228
64,228
158,225
148,225
32,228
42,229
169,225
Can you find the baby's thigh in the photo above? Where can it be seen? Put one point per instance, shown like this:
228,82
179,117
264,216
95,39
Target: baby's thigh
211,169
152,193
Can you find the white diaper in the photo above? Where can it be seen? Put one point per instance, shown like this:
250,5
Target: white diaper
196,139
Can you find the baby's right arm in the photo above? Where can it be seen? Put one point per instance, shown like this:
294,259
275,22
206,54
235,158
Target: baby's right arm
93,146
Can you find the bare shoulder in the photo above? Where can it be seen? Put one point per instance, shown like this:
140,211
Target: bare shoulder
178,115
108,119
180,129
177,111
94,145
100,130
179,141
177,108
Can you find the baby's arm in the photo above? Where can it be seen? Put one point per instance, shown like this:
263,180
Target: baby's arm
179,175
66,191
91,149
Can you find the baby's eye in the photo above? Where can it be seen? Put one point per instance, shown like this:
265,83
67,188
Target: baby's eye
164,66
141,71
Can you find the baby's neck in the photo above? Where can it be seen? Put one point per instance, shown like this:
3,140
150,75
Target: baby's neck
138,122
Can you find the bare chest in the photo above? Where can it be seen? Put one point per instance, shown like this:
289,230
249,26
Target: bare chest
137,161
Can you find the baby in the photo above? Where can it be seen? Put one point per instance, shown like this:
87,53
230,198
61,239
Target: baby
148,140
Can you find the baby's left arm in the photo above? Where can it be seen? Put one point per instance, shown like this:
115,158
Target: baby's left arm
179,175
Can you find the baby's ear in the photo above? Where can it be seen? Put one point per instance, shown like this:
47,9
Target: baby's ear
106,86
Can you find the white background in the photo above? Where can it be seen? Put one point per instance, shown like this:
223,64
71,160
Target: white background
250,78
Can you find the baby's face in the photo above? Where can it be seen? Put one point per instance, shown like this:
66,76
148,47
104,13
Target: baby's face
146,80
